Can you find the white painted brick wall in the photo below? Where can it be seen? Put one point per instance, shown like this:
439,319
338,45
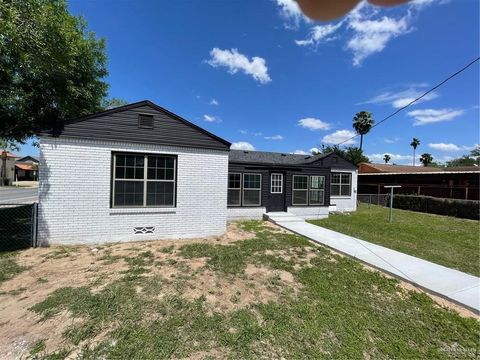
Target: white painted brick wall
241,213
309,212
346,203
74,194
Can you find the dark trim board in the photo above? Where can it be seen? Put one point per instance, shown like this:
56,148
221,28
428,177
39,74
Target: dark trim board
289,171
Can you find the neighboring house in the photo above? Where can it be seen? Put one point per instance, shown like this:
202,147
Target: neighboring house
453,182
141,172
305,185
26,168
9,172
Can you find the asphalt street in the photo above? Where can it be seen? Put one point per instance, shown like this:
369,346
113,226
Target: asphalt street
18,195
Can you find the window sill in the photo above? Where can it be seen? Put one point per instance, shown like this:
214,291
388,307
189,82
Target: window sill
143,210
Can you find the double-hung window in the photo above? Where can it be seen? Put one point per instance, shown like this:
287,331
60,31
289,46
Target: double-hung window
317,190
143,180
234,189
341,184
308,190
300,190
252,189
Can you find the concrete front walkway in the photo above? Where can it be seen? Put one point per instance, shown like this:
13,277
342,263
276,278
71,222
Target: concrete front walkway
454,285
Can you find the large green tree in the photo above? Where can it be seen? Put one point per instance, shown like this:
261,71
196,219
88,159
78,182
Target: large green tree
426,159
473,159
351,153
386,158
362,123
51,67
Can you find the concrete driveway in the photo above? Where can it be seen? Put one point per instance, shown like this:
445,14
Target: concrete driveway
18,195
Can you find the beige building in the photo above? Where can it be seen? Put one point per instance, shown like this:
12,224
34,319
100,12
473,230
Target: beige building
10,167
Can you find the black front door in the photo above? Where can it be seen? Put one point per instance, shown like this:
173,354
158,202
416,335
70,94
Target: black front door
276,195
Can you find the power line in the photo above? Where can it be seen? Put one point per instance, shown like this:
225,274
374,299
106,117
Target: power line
418,98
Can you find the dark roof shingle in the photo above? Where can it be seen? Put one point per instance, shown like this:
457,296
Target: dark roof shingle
263,157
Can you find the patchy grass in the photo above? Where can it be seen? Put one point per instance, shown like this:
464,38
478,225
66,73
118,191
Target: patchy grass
9,266
443,240
274,295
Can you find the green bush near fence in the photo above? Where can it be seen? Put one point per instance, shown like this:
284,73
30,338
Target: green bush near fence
466,209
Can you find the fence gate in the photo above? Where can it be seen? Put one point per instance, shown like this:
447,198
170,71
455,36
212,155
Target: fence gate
18,226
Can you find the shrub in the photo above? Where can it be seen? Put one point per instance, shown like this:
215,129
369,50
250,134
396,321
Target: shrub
467,209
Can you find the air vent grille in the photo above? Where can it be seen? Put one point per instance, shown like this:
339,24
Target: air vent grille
145,121
144,230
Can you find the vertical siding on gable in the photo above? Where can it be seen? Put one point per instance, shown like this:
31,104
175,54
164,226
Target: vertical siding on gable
123,126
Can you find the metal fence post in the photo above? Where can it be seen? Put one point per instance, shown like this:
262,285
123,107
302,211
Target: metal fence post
34,224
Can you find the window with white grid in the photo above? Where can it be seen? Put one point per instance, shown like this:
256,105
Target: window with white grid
276,183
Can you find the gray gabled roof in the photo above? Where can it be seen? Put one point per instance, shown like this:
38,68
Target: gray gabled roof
273,158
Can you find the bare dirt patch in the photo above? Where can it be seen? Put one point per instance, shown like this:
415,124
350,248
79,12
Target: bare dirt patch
57,267
167,272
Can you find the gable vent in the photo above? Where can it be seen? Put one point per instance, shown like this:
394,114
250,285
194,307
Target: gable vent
145,121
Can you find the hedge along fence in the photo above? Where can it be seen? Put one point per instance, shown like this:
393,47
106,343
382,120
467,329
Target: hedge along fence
467,209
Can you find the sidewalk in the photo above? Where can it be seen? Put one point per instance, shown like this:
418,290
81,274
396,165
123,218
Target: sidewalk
454,285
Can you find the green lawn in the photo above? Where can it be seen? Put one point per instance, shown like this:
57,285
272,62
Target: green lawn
273,295
443,240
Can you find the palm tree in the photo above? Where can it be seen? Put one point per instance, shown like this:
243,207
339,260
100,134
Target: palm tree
415,142
362,123
426,159
386,158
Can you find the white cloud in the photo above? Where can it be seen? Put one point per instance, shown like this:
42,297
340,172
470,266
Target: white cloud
372,35
401,98
430,116
395,158
291,13
314,150
258,134
340,136
244,132
444,147
242,145
300,152
391,140
211,118
274,137
320,34
235,61
214,102
314,124
364,30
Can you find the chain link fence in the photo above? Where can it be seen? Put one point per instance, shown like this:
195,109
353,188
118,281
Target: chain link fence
374,199
17,226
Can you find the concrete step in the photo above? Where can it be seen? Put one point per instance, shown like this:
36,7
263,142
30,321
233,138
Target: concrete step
279,217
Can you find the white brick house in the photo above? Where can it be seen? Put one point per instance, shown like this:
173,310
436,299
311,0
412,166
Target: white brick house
140,172
77,199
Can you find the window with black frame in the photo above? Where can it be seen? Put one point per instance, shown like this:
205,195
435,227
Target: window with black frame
341,184
252,189
317,190
143,180
300,190
234,189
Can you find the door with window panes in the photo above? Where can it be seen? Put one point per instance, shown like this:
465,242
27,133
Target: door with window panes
276,195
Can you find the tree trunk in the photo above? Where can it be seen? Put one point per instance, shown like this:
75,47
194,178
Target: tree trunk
413,156
361,141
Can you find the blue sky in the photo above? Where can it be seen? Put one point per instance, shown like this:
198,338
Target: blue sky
261,75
